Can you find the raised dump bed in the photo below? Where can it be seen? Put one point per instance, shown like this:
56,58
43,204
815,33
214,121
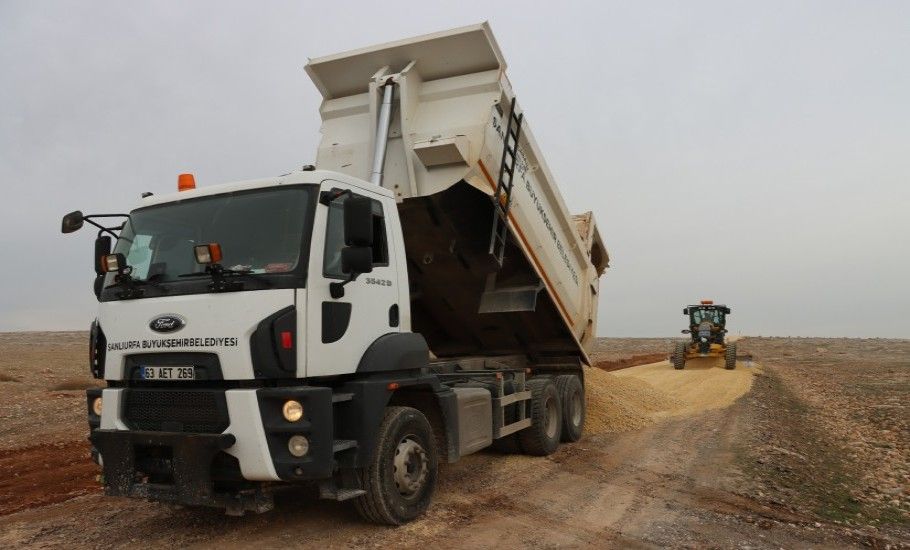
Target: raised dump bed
532,293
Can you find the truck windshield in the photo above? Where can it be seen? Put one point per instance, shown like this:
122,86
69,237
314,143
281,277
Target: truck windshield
262,231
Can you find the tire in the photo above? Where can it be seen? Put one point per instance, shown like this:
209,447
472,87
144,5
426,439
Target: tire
730,357
678,357
541,438
395,493
572,397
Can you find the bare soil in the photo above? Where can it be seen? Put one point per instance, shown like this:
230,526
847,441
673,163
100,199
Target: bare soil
837,440
806,448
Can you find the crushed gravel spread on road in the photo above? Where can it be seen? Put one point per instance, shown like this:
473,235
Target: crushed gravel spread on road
703,385
618,404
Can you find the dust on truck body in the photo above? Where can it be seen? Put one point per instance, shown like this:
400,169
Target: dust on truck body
420,294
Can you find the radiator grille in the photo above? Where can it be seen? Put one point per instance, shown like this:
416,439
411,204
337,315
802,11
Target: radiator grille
163,410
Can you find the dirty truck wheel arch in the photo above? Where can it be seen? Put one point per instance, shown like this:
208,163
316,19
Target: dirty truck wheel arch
397,351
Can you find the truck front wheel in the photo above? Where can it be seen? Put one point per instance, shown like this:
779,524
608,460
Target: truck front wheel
400,480
541,438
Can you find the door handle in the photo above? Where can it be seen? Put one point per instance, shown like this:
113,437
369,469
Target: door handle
393,315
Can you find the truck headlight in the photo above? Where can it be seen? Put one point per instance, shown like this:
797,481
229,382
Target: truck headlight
292,411
96,406
298,445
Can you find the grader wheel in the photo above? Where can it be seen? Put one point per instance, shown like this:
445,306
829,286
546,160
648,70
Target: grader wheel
730,357
678,357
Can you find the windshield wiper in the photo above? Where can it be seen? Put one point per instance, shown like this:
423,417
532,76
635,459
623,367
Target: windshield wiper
132,288
220,276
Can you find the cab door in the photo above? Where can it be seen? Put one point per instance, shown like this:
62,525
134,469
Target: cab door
339,330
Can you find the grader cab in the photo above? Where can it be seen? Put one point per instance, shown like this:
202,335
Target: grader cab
707,327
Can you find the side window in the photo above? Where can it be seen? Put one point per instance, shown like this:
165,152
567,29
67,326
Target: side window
380,243
334,239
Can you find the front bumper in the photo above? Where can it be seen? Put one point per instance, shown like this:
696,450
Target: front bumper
704,349
187,459
169,463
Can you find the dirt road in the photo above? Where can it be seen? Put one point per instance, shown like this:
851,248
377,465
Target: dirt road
663,464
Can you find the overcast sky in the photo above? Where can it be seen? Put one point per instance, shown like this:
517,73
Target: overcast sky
757,153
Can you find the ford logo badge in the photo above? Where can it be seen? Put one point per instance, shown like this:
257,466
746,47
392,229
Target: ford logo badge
167,323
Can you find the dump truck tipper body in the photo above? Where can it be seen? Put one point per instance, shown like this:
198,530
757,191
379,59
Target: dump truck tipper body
418,295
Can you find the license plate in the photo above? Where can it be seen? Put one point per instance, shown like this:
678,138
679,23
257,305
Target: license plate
175,372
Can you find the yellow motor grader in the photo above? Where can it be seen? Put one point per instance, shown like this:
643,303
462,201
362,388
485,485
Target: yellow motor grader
707,327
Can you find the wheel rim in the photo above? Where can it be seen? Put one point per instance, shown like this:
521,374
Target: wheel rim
411,466
552,419
576,409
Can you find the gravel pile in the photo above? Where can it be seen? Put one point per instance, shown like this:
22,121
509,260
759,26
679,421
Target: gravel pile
620,404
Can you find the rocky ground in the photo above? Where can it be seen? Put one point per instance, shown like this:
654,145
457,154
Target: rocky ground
806,448
833,429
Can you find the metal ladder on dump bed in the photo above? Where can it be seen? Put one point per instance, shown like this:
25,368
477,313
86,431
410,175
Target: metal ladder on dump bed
511,298
502,198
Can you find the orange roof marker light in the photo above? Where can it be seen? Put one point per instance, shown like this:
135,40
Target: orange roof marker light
186,182
707,302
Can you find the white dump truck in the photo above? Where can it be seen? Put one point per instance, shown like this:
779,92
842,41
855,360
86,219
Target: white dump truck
419,294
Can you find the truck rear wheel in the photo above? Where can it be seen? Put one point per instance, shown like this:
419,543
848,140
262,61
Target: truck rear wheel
400,480
572,396
678,357
541,438
730,357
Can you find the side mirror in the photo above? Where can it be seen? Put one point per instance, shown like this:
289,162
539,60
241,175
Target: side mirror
72,222
102,248
686,311
356,259
358,222
686,331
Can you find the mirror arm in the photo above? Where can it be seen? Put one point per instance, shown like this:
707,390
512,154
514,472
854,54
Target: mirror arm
336,289
105,216
327,197
103,229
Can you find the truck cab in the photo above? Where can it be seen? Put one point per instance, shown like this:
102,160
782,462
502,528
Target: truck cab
282,242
